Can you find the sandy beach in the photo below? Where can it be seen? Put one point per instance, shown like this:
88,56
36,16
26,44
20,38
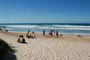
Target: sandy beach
66,47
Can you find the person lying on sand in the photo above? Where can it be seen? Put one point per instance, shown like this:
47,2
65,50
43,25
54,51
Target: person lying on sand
21,39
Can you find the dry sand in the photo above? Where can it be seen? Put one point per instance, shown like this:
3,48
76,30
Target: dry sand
67,47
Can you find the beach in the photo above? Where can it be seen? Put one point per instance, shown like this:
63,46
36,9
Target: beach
44,29
66,47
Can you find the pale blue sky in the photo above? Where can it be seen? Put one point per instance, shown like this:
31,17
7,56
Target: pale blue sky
44,11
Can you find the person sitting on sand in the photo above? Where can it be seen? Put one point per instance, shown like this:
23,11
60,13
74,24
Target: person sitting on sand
21,39
6,30
28,34
61,34
43,32
33,35
79,36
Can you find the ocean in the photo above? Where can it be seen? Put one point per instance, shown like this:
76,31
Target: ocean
63,28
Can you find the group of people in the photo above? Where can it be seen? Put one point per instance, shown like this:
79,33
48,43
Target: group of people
32,35
52,33
21,38
79,36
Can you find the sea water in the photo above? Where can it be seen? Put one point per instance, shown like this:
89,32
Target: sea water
63,28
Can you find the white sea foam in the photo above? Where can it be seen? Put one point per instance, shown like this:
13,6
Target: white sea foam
72,27
69,27
28,26
65,29
22,26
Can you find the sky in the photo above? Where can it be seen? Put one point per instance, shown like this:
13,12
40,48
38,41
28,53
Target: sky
44,11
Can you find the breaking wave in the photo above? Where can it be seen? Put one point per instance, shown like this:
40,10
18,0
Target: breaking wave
68,27
61,28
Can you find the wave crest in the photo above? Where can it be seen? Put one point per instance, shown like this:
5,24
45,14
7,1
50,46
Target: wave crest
69,27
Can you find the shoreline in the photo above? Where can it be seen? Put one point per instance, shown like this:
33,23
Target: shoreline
59,33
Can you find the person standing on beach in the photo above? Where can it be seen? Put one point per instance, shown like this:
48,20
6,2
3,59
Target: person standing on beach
28,34
56,33
44,32
51,32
